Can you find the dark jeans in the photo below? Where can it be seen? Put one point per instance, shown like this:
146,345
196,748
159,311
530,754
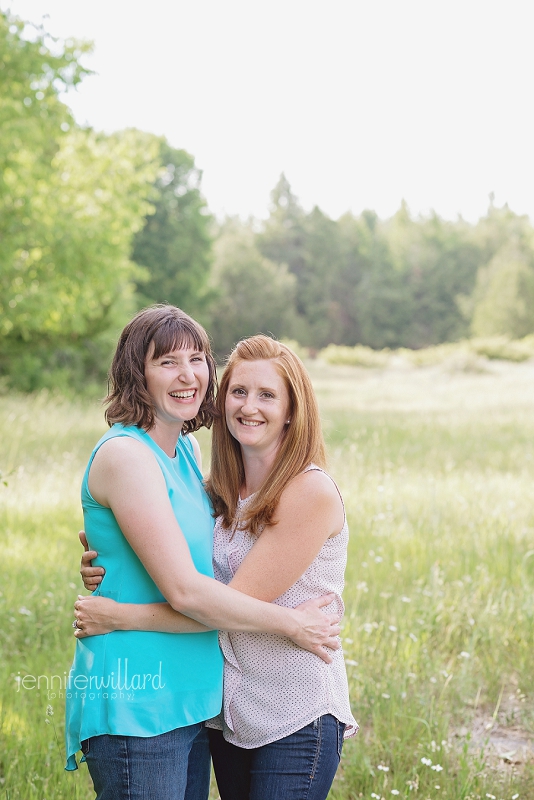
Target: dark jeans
172,766
298,767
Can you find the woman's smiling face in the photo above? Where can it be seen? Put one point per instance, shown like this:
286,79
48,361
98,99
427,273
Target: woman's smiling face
257,406
177,383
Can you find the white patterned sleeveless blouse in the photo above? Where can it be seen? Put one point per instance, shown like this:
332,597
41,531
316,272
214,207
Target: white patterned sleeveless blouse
272,688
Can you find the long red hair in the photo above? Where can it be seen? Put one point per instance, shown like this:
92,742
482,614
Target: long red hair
302,444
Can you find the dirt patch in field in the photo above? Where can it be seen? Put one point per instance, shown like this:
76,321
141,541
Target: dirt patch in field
507,744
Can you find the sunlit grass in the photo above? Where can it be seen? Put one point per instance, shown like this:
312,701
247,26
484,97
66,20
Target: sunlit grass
436,468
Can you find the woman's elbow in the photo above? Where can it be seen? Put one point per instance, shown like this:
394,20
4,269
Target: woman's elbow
185,598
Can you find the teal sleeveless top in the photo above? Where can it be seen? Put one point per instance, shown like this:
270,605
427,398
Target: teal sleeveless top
143,683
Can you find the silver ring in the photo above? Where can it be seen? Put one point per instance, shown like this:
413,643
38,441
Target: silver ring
75,623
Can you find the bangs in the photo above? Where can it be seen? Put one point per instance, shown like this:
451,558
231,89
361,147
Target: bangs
179,334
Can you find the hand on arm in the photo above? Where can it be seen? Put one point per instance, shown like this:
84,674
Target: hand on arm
124,479
98,615
91,576
286,551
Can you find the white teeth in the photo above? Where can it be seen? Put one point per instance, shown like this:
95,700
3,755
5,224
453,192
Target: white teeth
251,423
183,395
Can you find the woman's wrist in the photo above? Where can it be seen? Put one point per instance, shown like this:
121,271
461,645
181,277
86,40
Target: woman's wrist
288,622
122,619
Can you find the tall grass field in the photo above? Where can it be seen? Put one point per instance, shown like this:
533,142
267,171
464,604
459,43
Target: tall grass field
436,465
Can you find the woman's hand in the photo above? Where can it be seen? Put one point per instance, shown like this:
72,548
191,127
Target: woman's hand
316,629
91,576
95,616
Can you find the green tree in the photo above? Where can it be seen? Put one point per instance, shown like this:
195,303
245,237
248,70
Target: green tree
504,295
283,237
253,294
175,243
502,302
438,261
70,202
309,246
33,121
70,277
373,293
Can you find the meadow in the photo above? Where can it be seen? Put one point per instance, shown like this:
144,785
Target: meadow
436,465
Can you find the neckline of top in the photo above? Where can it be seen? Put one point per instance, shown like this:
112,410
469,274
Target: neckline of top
159,448
311,466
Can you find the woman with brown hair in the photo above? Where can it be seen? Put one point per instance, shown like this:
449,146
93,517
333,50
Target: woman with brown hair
136,699
280,536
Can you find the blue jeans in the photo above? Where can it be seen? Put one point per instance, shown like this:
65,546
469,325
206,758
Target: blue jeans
172,766
298,767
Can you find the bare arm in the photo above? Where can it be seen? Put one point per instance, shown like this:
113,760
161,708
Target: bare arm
99,615
121,471
310,511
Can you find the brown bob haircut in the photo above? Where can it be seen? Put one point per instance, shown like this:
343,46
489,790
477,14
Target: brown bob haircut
302,443
168,328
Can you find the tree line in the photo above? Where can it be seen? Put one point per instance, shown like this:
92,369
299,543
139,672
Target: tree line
95,226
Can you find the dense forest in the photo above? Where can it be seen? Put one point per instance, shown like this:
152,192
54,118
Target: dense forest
95,226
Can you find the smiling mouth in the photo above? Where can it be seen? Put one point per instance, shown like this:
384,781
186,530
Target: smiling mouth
184,395
250,423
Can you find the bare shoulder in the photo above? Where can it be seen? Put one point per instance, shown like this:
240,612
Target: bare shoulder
313,494
123,467
313,484
121,451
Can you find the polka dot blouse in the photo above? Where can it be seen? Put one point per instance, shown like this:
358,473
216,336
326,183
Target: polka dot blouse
272,687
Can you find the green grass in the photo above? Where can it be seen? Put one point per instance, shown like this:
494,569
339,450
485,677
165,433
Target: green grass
436,468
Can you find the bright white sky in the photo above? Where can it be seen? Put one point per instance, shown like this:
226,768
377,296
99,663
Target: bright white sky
360,102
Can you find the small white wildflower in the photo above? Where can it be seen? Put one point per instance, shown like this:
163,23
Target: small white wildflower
491,796
406,599
380,488
437,767
348,641
433,680
375,796
464,654
365,564
383,768
49,711
392,628
515,796
385,595
395,791
25,611
386,696
413,637
403,695
378,559
361,586
426,761
350,662
397,565
368,627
